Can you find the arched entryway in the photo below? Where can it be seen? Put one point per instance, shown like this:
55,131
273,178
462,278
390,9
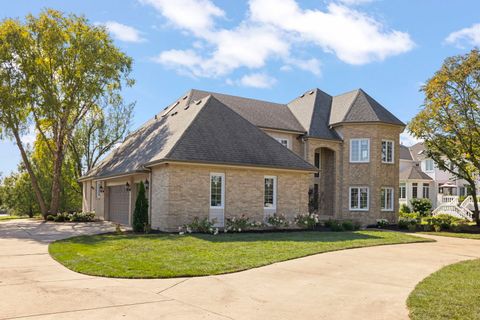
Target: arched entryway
322,190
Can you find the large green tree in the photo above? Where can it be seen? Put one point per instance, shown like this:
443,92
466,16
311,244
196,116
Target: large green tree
54,70
449,121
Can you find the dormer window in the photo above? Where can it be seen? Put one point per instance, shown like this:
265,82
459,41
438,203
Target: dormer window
284,142
428,165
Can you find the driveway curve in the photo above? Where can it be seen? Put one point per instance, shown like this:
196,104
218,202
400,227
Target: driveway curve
365,283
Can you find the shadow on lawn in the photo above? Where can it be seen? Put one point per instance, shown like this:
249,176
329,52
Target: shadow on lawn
301,236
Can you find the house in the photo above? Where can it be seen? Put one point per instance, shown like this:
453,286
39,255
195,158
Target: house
218,156
420,177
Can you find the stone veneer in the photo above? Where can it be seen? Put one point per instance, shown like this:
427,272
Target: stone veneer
182,191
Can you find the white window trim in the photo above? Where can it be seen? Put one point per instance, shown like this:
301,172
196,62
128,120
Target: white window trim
217,174
404,185
393,151
350,198
393,196
274,207
433,165
98,194
359,161
284,139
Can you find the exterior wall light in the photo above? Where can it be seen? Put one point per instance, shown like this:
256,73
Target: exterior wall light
127,187
147,184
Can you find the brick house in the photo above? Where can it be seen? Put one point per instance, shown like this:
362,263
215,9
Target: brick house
218,156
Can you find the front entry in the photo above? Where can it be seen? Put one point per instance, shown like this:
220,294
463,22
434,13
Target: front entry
118,204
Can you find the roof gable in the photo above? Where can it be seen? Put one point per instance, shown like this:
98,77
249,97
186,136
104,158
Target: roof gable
358,106
312,110
220,135
414,173
261,113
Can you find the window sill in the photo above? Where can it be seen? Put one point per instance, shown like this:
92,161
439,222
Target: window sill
359,161
388,162
352,209
386,210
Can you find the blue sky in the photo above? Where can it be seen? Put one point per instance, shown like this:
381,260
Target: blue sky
274,49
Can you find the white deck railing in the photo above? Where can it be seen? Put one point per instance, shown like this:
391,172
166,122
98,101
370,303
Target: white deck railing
454,210
450,199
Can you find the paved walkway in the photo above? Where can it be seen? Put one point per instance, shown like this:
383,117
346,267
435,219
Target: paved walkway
367,283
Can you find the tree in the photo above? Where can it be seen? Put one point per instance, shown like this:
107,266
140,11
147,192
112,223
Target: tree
55,69
98,132
449,121
140,214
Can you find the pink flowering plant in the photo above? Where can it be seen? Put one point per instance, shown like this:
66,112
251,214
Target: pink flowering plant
277,221
198,225
241,224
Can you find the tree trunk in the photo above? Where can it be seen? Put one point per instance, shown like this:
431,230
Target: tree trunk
56,179
475,205
33,177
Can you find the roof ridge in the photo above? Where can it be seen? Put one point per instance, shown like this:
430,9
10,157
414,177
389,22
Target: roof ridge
207,99
236,96
351,104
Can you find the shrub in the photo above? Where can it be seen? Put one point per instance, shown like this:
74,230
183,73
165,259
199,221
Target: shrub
444,221
72,217
382,223
240,224
348,225
336,226
277,221
357,225
412,227
412,215
403,223
140,214
307,221
328,223
422,206
404,208
199,225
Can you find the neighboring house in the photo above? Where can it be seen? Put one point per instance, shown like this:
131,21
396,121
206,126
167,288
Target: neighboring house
218,156
421,178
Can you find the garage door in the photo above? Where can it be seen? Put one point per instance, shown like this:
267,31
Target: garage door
118,205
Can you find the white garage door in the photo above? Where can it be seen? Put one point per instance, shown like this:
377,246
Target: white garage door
118,204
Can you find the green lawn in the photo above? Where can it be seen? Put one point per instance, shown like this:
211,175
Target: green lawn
455,234
167,255
450,293
4,218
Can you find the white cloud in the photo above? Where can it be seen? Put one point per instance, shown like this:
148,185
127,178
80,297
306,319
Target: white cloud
353,36
407,139
196,16
267,34
257,80
123,32
355,2
469,35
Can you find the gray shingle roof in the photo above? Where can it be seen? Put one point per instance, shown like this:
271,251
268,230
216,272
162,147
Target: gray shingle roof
312,110
358,106
261,113
405,153
201,131
414,173
220,135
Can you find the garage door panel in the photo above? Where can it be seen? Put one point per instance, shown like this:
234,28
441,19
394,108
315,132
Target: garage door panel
118,204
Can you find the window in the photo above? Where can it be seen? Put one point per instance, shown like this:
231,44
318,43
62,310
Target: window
462,191
426,190
358,198
317,163
315,196
387,151
283,141
386,200
359,150
403,191
217,190
414,190
98,188
270,193
429,165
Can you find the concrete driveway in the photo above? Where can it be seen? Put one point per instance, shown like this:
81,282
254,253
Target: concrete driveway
367,283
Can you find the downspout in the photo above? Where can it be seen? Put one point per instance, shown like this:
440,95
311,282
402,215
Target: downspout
150,187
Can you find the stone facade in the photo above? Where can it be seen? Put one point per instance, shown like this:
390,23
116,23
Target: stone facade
182,192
